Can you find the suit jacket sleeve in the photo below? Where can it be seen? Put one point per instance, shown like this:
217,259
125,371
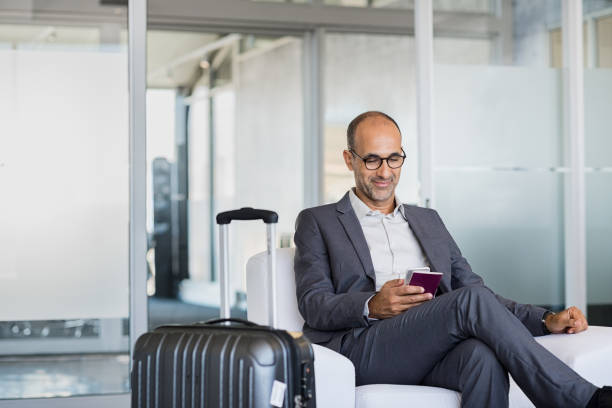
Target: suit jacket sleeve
321,307
462,275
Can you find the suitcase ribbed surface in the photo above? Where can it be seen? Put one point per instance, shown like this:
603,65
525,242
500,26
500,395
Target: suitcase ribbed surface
200,366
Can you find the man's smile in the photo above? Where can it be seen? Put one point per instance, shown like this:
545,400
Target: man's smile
381,183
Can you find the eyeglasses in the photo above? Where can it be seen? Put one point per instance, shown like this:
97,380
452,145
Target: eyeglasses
373,162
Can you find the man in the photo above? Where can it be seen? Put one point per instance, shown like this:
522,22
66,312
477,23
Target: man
465,338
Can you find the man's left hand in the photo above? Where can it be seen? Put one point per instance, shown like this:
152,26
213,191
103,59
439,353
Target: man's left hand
570,321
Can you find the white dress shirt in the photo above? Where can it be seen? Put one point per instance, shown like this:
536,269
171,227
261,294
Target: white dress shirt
393,247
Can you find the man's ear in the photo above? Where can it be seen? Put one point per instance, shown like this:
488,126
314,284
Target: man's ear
348,159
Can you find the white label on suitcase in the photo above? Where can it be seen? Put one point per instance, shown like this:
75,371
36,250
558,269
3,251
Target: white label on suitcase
278,394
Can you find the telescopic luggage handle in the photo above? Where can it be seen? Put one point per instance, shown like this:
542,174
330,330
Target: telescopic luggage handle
270,218
247,213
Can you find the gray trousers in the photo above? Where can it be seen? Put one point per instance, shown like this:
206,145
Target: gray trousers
464,340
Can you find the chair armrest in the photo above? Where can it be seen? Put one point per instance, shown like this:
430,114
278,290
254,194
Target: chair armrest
334,379
588,353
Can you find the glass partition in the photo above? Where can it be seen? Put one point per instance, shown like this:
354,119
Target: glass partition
470,6
498,152
598,161
354,84
64,215
230,106
604,41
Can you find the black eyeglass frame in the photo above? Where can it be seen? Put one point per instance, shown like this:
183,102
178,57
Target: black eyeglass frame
381,159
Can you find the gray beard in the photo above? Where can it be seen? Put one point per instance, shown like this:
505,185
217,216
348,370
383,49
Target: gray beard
367,190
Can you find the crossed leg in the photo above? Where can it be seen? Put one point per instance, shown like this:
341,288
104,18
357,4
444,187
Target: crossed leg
441,342
472,368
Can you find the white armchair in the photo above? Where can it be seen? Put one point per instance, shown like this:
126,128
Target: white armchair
588,353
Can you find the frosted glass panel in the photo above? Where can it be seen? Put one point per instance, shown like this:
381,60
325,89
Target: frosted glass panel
64,182
497,116
599,243
477,6
267,152
598,148
199,187
597,119
244,126
498,152
509,227
258,161
368,72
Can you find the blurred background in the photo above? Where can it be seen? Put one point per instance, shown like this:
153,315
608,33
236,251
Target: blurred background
247,104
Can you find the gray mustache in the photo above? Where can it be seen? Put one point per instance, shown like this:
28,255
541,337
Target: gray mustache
383,180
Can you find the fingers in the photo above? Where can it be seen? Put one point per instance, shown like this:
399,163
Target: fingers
402,307
581,320
567,317
564,318
573,327
410,299
574,320
410,290
393,283
407,294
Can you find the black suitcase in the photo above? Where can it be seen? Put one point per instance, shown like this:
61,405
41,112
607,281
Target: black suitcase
225,362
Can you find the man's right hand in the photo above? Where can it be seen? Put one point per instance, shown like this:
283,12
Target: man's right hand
394,298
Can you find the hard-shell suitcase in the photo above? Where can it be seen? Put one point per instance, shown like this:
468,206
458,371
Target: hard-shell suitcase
225,362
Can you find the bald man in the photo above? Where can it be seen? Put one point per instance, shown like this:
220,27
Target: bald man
466,338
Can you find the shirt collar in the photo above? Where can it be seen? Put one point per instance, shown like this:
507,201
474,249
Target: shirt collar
362,210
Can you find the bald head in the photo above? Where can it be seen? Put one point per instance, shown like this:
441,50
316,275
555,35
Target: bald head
351,131
374,138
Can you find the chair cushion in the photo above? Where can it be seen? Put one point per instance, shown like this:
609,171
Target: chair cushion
391,395
588,353
288,315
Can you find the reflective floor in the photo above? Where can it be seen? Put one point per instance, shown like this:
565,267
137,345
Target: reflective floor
40,376
62,376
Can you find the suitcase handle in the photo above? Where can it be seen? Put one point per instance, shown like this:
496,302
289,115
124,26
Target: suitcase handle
232,320
270,218
247,213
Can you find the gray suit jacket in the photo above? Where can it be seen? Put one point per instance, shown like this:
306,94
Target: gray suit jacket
334,273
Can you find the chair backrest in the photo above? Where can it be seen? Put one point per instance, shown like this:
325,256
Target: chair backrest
289,317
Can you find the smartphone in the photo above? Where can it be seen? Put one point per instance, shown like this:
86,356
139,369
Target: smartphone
424,278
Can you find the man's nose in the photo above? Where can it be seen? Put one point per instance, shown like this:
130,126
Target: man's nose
384,171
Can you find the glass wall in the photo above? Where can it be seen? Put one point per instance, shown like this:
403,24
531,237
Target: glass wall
473,6
598,159
232,105
498,152
354,83
603,34
64,213
225,120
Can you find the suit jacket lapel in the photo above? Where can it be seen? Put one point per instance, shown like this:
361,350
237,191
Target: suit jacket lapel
349,221
426,244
